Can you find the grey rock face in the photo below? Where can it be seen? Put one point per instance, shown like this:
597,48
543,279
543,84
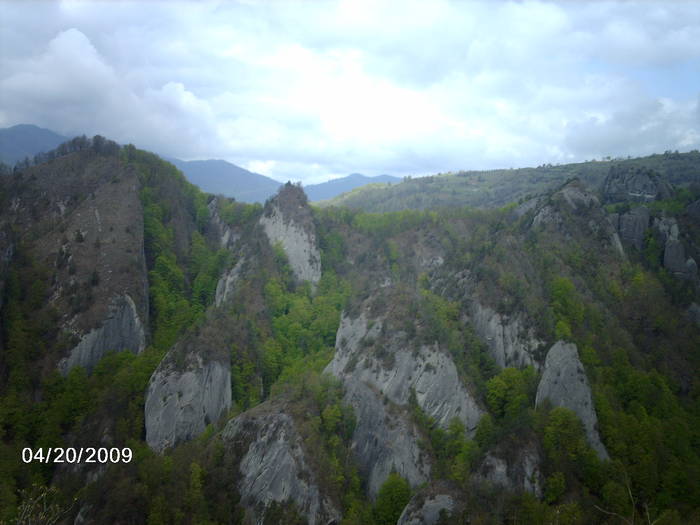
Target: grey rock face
426,511
227,237
693,313
227,283
274,468
509,342
635,185
693,210
122,330
384,439
521,474
181,403
297,239
675,261
565,384
633,226
666,229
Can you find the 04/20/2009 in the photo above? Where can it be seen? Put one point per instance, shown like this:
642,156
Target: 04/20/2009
77,455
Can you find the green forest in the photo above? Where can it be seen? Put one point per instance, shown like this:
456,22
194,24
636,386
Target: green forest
640,354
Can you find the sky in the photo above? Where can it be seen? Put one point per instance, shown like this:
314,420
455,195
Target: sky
312,90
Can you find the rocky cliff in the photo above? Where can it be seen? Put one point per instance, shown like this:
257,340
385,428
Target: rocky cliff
379,386
631,184
272,466
181,402
287,220
121,330
564,383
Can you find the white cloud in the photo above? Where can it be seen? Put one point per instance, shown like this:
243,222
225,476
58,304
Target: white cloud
304,91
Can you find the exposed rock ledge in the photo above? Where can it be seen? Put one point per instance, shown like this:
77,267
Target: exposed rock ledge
298,241
509,342
565,384
181,403
426,511
385,438
273,466
122,330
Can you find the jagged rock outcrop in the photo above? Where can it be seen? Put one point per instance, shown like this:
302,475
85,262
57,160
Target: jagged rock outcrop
182,400
630,184
693,209
122,330
676,262
426,510
509,342
225,235
520,472
632,226
693,313
385,438
573,209
666,229
287,220
564,383
227,283
273,466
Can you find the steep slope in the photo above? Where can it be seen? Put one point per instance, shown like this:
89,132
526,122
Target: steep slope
328,365
86,229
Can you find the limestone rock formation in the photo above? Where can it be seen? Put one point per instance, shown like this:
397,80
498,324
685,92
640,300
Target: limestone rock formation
666,228
225,235
632,226
122,330
384,439
509,342
693,210
564,383
519,472
573,209
287,220
426,510
182,401
273,466
227,282
675,261
629,184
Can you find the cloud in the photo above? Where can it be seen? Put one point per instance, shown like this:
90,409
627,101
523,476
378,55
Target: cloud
304,91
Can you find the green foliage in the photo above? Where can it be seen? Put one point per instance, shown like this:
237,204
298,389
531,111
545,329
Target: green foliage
238,213
393,496
453,452
511,392
182,284
302,325
567,306
554,487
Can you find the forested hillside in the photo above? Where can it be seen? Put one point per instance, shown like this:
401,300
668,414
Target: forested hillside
533,362
494,188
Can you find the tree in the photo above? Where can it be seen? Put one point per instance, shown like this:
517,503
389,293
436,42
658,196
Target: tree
392,498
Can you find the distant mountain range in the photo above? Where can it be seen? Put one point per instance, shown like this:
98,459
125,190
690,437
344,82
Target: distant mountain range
222,177
26,140
335,187
212,176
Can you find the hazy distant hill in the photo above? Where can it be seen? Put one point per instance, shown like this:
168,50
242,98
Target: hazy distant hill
494,188
26,140
333,188
221,177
